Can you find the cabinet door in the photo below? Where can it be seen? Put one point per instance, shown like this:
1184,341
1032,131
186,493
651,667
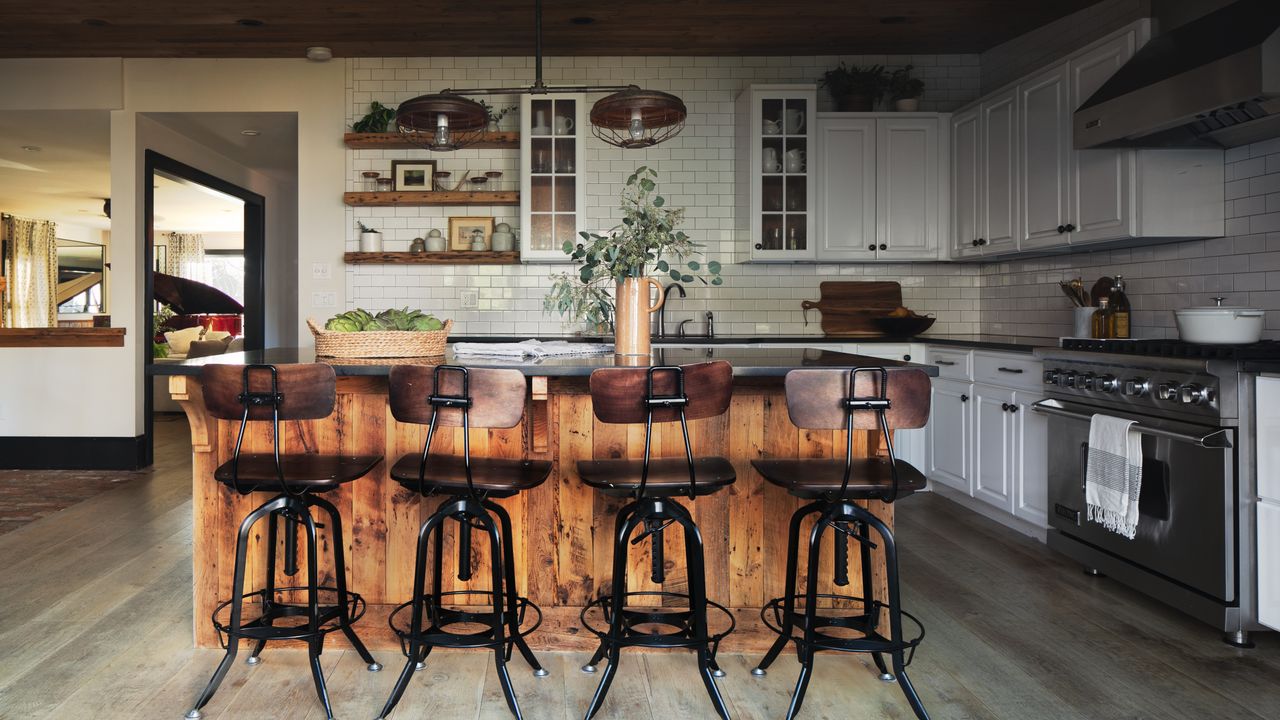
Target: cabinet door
993,446
552,192
1043,121
965,183
782,203
907,189
1269,564
1031,461
1101,199
998,226
949,435
846,189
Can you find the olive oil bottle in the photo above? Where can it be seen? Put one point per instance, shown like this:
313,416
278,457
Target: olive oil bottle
1119,306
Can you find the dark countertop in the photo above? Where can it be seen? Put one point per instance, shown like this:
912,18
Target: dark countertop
747,362
1011,343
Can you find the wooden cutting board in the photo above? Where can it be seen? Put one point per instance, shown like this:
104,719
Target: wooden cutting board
848,307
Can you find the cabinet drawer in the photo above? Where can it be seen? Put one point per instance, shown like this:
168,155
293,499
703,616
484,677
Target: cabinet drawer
954,364
1015,371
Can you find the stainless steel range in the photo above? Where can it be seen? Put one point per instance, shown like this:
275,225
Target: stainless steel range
1196,534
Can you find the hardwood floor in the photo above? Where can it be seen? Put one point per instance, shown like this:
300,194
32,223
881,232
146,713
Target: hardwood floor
95,607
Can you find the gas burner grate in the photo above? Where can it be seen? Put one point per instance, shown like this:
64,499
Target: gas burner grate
1266,349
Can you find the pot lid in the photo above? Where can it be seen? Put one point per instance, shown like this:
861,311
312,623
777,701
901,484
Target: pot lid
1217,309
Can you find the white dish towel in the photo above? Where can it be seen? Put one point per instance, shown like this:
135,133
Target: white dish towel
1113,478
531,348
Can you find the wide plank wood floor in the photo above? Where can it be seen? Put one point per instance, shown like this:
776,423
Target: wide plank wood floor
95,608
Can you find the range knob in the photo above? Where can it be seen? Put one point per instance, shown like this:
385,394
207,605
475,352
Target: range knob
1193,394
1167,391
1067,379
1106,383
1084,381
1051,376
1137,387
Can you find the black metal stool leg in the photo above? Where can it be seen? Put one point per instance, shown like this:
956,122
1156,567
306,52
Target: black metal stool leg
268,595
625,524
895,617
868,593
624,514
315,646
237,602
696,572
496,563
513,618
806,650
789,594
340,576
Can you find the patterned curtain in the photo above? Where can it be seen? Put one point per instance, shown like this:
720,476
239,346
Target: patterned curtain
31,268
185,256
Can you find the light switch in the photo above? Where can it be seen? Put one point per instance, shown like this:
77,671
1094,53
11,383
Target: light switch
321,271
324,299
470,299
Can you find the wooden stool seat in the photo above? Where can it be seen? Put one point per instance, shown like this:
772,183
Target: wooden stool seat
495,477
315,473
869,478
667,476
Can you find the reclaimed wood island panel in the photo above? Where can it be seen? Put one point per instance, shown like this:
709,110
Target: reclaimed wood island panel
562,529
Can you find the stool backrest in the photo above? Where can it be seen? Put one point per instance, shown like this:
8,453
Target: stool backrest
497,396
816,399
307,391
618,394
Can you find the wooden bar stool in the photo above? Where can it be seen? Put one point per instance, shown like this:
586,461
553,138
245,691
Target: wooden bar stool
649,395
858,399
260,393
453,396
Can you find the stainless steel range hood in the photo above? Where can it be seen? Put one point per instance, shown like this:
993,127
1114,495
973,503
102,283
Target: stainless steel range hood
1213,82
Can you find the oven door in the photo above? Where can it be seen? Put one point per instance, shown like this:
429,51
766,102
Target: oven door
1186,508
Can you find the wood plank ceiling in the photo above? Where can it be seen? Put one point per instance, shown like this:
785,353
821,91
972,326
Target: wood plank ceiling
356,28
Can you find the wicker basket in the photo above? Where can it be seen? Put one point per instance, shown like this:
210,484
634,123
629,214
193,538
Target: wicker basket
380,343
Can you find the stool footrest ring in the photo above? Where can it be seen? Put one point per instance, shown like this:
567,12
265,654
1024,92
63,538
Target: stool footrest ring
679,619
263,627
866,623
437,618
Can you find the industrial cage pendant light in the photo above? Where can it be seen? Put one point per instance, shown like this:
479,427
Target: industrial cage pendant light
629,118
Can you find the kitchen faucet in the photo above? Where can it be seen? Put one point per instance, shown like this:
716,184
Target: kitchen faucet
662,311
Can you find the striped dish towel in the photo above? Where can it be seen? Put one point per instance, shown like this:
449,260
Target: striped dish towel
1113,478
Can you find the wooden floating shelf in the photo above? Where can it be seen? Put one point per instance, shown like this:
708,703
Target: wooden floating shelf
502,140
459,257
62,337
436,197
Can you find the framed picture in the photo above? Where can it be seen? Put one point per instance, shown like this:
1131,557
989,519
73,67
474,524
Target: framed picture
464,231
413,175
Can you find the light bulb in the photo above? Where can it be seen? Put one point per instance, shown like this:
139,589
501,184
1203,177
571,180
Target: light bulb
636,128
442,130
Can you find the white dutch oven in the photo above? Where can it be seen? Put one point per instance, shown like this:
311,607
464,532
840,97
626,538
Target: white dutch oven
1219,324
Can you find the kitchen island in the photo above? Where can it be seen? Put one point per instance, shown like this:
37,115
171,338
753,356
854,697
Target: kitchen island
562,528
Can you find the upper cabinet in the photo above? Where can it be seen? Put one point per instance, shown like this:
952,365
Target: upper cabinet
880,181
1036,193
775,171
552,190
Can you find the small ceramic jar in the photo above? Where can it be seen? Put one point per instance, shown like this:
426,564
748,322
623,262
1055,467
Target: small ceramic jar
435,241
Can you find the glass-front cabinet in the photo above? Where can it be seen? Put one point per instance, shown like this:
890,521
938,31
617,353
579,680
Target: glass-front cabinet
775,183
551,164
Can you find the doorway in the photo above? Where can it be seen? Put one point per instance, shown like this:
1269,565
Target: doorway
211,271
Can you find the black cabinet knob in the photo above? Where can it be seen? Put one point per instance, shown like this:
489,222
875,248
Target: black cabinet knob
982,241
1062,229
975,242
1070,227
906,358
1013,408
872,247
964,398
759,246
1004,407
883,246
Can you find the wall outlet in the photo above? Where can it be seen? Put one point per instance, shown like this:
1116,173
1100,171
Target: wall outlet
764,328
321,271
324,299
470,299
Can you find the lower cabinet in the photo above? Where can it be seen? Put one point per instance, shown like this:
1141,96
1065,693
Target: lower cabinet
1269,563
995,446
950,433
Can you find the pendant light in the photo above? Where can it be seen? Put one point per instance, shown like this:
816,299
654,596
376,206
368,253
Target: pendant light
629,118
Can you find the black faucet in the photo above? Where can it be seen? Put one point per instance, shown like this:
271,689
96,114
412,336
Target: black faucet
662,311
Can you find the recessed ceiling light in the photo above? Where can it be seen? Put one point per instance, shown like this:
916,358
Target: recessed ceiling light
319,53
582,20
250,133
32,148
94,22
250,22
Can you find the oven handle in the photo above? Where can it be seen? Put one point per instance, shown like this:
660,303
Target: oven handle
1216,439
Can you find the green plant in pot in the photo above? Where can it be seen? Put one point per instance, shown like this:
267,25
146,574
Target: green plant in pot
855,89
378,119
647,240
904,90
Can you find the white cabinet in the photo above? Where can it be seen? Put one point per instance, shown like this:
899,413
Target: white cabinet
1100,202
552,190
1267,410
998,228
994,446
966,181
1044,139
950,434
775,201
1269,563
880,186
846,188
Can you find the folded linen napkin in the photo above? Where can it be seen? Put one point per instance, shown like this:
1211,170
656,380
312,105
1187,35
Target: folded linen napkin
531,348
1113,477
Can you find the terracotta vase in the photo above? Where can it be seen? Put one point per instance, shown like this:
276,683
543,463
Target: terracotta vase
631,316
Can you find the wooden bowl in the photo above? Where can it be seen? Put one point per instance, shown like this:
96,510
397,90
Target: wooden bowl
903,327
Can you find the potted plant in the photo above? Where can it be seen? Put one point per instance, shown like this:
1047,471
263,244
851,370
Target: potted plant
648,239
370,239
378,119
855,89
495,114
905,90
